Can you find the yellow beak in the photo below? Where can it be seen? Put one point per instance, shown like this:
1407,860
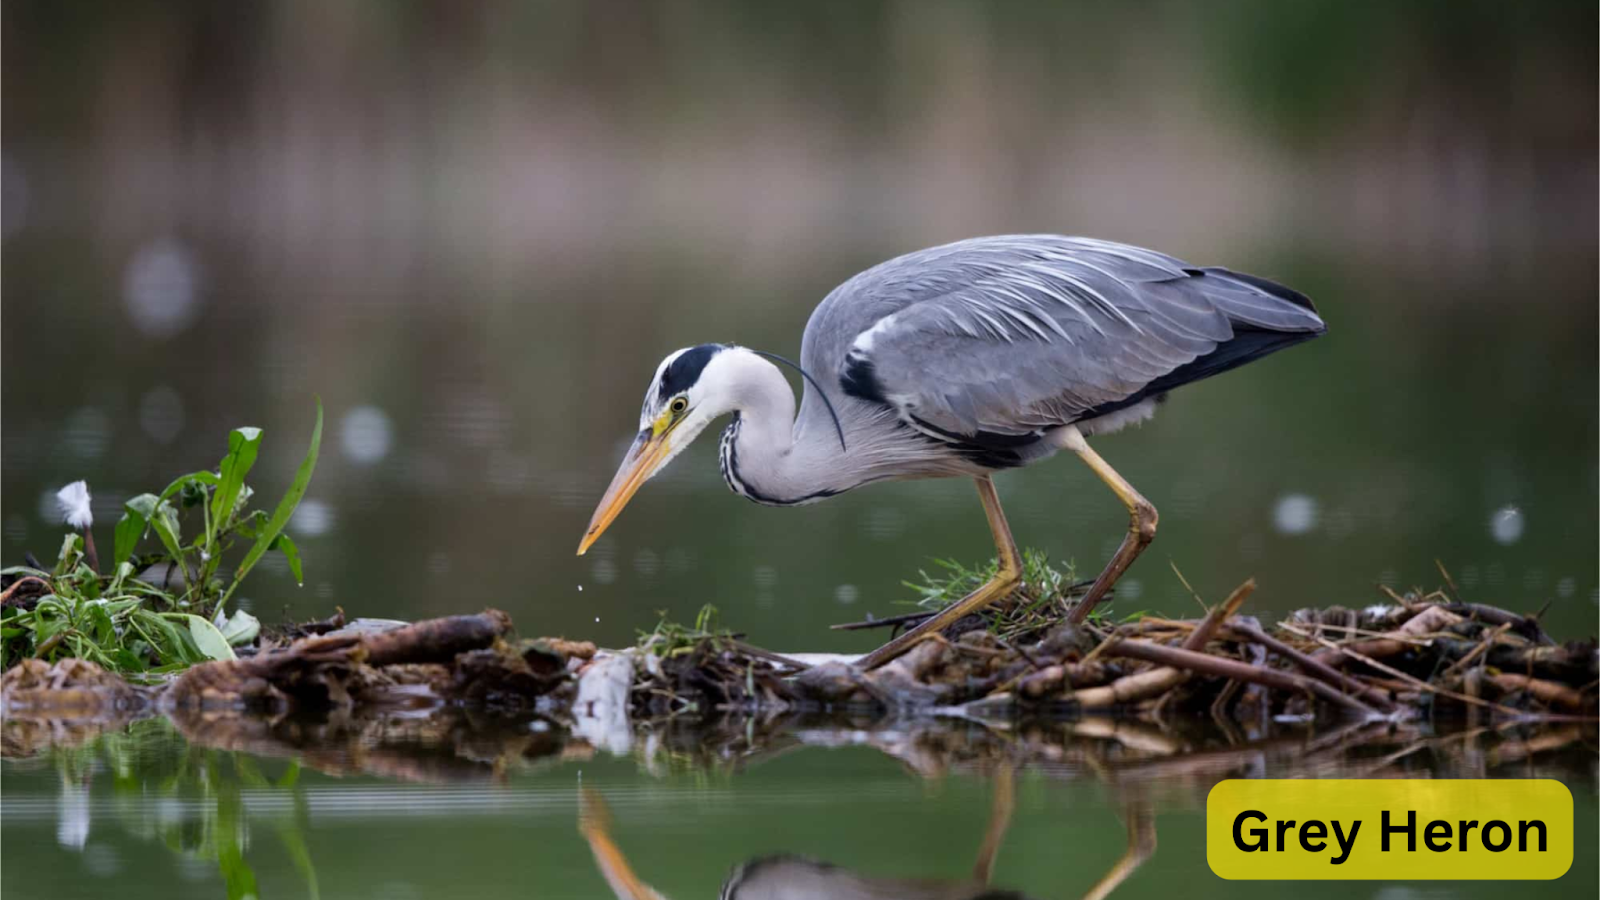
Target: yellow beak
643,458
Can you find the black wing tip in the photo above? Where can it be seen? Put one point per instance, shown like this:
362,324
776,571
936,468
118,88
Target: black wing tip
860,380
1266,286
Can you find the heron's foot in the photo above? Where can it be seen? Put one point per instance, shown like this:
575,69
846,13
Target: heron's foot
1002,584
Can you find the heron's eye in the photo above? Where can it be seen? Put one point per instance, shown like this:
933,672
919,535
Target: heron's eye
678,405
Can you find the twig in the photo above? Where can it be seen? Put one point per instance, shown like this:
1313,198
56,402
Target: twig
1527,626
1222,667
1201,635
1548,692
1449,582
1483,646
1363,633
1312,667
1140,685
887,621
26,579
1412,680
768,655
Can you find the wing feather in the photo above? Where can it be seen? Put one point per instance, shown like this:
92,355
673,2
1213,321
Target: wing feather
1011,335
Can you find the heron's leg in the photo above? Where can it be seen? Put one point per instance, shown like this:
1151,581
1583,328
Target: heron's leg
1005,802
1141,844
1004,580
1141,527
594,823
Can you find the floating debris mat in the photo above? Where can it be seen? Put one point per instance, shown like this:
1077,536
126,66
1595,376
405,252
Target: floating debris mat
1421,657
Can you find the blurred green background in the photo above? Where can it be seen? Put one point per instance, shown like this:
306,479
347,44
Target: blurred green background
474,229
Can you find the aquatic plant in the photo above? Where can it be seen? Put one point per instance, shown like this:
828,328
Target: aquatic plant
1040,600
165,609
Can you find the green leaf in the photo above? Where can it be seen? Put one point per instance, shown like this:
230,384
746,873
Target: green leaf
123,573
127,660
285,545
243,444
251,525
208,639
172,645
178,483
286,506
86,581
144,505
129,529
71,552
291,775
104,632
240,628
165,523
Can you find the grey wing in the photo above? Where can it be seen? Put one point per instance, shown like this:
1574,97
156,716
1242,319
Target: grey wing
1009,336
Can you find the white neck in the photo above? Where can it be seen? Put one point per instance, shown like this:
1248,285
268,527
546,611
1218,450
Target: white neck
758,453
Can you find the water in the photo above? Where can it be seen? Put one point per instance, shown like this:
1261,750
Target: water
475,807
473,230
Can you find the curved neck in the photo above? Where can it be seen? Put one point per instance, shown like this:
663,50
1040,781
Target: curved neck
758,448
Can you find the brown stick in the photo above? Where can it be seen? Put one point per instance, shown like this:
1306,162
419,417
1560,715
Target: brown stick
1412,680
1428,621
1548,692
1129,688
435,640
26,579
1140,685
1231,668
1201,635
886,621
1483,647
1527,626
1312,667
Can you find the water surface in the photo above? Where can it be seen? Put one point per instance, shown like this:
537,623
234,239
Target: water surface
472,807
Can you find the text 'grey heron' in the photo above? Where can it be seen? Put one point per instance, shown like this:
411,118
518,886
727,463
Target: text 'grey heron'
965,359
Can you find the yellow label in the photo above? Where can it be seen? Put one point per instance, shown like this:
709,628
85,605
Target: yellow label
1389,830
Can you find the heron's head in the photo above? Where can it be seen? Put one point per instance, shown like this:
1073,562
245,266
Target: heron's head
691,388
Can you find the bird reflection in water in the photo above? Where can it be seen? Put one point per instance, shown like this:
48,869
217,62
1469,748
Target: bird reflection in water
789,877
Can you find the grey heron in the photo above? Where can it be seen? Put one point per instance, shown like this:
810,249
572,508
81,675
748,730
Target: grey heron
964,360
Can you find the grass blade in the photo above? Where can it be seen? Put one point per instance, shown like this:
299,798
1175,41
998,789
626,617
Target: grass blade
285,545
286,507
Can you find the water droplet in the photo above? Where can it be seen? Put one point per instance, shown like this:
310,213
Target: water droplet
1295,514
160,288
87,434
1506,525
580,588
311,518
161,414
885,524
766,576
365,435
